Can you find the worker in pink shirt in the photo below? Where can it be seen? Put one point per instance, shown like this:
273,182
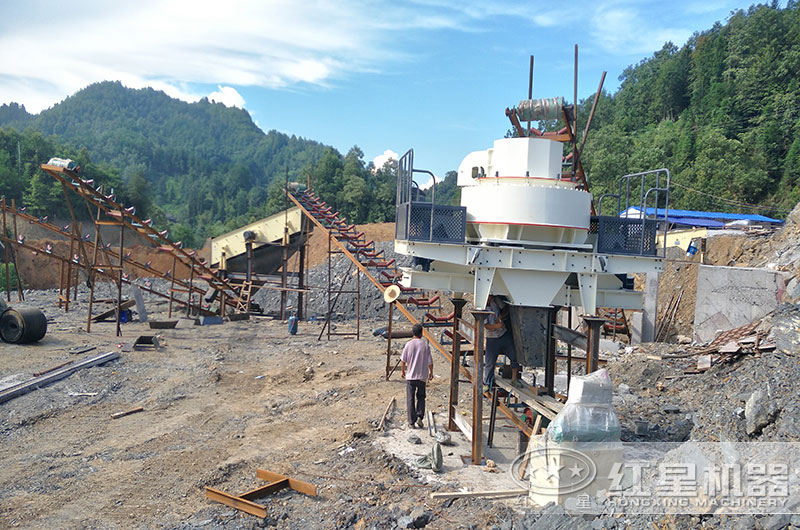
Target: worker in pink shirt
416,367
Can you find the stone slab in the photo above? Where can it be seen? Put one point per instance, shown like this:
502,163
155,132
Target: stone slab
729,297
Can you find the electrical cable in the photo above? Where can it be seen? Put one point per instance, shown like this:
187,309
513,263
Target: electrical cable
730,201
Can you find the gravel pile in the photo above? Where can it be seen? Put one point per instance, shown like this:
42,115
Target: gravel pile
371,300
752,398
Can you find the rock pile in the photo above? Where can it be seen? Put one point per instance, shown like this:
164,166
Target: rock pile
371,301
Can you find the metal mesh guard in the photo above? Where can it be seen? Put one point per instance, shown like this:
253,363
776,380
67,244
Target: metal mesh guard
449,223
620,235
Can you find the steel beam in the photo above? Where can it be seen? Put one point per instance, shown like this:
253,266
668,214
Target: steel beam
458,309
477,387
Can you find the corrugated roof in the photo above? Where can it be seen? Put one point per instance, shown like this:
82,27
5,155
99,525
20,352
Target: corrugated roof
694,214
694,221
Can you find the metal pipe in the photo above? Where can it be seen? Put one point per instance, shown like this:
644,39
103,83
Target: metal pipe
530,90
591,114
575,118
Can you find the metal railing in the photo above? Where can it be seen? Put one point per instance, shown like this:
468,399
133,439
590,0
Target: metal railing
422,220
660,188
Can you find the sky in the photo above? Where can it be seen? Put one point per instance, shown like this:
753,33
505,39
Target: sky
388,76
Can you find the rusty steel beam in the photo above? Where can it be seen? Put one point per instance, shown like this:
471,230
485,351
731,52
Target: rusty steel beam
591,115
593,352
512,116
458,309
72,181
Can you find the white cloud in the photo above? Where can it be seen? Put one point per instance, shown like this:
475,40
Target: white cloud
185,46
228,96
630,28
176,45
381,159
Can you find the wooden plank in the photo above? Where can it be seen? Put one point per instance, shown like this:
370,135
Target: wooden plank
463,425
297,485
526,397
36,382
264,490
237,502
495,493
549,401
515,419
385,413
126,413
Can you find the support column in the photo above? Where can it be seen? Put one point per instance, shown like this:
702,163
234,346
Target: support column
649,308
301,281
249,280
593,339
477,387
389,341
551,362
458,309
6,244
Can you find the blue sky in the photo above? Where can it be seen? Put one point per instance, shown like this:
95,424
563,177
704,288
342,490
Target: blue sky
433,75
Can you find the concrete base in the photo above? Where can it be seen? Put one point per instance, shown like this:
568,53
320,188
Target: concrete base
729,297
636,327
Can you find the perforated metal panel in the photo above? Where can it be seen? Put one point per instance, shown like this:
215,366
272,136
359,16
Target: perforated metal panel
414,222
620,235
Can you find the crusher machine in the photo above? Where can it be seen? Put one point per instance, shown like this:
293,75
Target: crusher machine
525,230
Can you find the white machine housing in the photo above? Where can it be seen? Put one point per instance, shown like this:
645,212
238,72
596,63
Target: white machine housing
526,233
515,192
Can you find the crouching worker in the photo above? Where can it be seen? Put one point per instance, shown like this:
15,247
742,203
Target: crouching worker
499,341
416,367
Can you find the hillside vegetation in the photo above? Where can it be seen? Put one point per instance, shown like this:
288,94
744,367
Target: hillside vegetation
201,165
722,113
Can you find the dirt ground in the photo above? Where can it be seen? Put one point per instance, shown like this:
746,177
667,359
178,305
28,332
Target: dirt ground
219,402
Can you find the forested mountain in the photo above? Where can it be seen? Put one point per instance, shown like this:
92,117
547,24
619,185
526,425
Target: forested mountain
199,164
722,113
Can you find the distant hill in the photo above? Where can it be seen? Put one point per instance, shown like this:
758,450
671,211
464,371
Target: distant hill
201,164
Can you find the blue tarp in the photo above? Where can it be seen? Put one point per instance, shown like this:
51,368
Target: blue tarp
694,217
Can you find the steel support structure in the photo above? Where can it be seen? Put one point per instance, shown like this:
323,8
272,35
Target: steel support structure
458,311
477,387
593,351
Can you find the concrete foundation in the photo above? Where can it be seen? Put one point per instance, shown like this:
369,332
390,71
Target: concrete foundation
729,297
643,325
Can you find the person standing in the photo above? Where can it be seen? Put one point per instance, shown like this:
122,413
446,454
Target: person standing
416,367
499,341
